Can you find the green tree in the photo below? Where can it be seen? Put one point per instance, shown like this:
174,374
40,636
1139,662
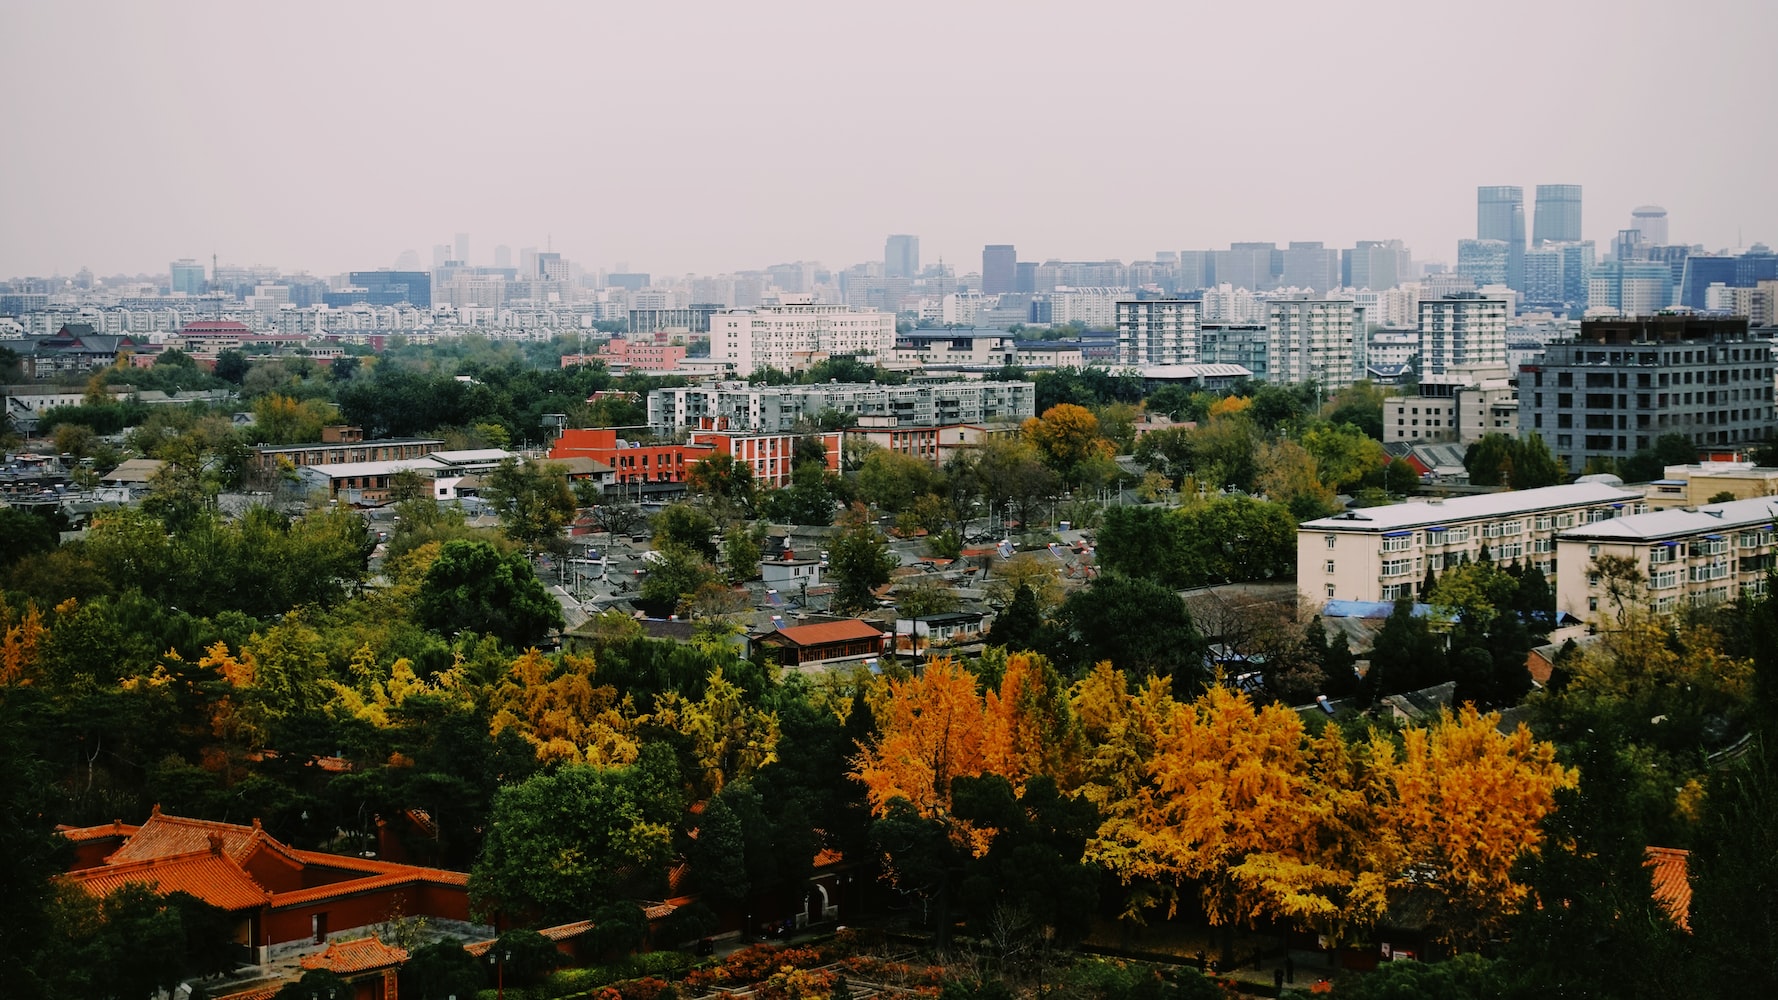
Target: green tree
674,575
1139,625
533,501
726,485
858,561
441,969
471,587
742,548
1406,655
232,366
688,527
23,532
1018,626
809,499
562,844
892,481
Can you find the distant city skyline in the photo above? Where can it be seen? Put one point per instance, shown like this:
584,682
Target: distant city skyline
799,132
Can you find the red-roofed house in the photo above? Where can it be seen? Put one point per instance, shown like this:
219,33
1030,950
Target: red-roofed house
283,898
846,639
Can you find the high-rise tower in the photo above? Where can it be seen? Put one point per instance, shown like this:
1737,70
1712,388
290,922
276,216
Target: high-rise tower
1558,214
901,257
1500,215
1000,269
1651,222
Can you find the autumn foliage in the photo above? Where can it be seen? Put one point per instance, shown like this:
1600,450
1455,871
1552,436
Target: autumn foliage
1235,804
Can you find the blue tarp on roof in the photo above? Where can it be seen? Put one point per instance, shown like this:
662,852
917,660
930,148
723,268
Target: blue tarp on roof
1369,609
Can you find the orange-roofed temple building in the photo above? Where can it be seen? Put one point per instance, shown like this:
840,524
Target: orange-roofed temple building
284,899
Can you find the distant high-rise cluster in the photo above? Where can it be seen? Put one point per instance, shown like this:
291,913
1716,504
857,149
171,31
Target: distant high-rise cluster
1000,269
1555,271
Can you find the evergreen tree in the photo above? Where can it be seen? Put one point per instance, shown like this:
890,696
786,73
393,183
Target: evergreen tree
1406,655
1017,626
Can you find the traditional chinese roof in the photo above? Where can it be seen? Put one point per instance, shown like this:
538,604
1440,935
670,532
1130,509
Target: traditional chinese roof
81,834
825,632
563,932
1672,889
359,955
214,878
166,836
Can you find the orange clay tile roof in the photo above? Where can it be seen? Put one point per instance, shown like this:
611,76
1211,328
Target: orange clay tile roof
563,932
1672,889
116,828
214,878
828,856
165,836
360,955
823,632
256,993
659,911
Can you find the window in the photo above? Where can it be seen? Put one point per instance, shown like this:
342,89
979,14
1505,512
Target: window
1329,565
1397,567
1664,580
1399,544
1330,540
1330,591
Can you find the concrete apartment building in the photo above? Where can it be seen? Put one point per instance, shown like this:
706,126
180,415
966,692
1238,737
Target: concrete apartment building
1459,407
736,406
1622,383
1461,330
1383,553
1688,556
1694,485
1157,332
795,334
1311,340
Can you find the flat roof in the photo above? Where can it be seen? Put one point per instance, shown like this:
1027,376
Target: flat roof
1677,522
1422,513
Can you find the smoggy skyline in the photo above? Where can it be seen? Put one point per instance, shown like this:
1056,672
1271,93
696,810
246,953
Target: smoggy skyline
712,138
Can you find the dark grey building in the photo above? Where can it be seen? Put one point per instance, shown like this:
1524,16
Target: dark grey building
390,288
1558,214
1500,215
1622,383
1000,269
901,256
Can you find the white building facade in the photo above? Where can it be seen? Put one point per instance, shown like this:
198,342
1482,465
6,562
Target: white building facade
794,335
1462,331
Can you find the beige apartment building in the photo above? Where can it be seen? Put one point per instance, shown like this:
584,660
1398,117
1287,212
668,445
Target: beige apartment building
1382,553
1686,557
1694,485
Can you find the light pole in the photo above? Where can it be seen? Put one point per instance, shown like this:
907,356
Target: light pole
498,960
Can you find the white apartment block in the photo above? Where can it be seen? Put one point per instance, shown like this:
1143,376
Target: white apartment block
1157,332
739,407
1311,340
795,334
1686,556
1383,553
1094,308
1461,331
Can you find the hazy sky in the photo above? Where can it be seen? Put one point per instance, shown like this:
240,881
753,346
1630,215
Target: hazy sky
714,137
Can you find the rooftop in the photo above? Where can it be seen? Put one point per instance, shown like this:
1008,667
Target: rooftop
360,955
1423,513
824,632
1675,522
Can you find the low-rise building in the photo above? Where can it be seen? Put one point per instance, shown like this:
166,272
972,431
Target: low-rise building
770,457
1683,557
824,642
1461,407
630,461
739,407
1384,553
1696,484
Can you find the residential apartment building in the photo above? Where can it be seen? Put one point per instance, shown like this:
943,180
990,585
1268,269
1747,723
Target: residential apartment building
1461,330
1460,407
1157,332
631,462
736,406
1693,485
1622,383
1246,344
1383,553
1311,340
793,335
1687,557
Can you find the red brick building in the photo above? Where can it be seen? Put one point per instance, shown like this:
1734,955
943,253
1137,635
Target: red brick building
770,456
629,462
